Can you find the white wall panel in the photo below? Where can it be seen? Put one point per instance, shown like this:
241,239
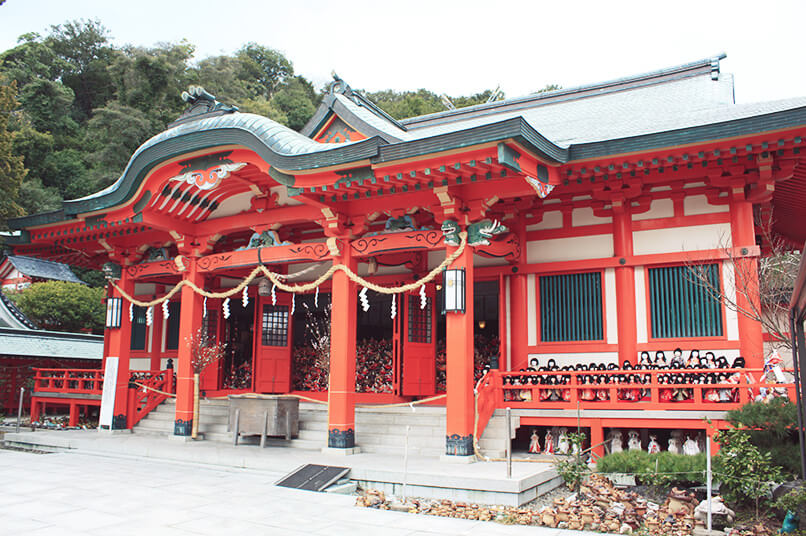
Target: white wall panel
140,363
641,313
658,208
508,306
677,239
698,204
585,216
531,311
729,288
611,307
570,249
551,220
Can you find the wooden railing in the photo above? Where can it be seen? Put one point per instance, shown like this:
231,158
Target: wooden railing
69,381
147,390
605,390
488,399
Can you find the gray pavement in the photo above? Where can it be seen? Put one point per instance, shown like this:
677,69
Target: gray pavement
71,493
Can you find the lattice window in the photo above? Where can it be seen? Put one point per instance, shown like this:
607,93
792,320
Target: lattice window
139,329
571,307
210,327
275,325
420,320
172,335
682,307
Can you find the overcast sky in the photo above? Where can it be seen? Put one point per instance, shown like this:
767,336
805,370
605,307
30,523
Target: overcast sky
467,46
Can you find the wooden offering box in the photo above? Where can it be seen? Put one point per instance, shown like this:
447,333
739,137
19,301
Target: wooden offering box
263,416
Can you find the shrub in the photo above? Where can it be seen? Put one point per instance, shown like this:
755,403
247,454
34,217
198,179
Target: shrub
745,472
573,470
662,469
772,429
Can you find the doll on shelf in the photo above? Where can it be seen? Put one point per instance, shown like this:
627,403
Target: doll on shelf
677,359
548,442
602,393
711,394
645,360
665,394
587,393
534,443
693,360
653,447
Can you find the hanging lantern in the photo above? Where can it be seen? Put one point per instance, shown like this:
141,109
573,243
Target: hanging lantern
113,310
453,284
263,288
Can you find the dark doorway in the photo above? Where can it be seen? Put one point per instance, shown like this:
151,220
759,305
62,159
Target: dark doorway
239,338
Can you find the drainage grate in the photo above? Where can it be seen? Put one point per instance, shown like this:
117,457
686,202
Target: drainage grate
313,477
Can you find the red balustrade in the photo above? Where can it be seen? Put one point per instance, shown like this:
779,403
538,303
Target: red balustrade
68,381
147,390
488,398
524,390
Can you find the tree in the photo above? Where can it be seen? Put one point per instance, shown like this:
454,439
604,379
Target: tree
265,66
63,306
12,170
548,88
762,288
296,100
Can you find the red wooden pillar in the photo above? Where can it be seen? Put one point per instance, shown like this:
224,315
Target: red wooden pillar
742,230
120,347
625,285
459,364
191,320
597,439
519,328
341,396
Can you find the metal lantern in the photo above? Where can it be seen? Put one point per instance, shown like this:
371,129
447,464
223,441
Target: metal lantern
264,287
114,307
453,290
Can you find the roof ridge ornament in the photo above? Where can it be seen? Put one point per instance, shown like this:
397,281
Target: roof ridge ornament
338,85
202,102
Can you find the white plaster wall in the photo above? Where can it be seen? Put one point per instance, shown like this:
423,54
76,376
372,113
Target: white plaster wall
233,205
551,220
611,312
585,216
145,288
641,313
480,260
508,307
658,208
576,358
729,288
678,239
531,310
435,258
140,363
570,249
698,204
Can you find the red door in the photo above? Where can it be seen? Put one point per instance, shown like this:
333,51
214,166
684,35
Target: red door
273,338
419,344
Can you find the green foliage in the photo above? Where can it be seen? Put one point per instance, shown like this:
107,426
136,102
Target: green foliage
744,471
295,100
548,88
772,429
573,470
62,306
661,469
793,501
268,68
12,170
94,278
775,418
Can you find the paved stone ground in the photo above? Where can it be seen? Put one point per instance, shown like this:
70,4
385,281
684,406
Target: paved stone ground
69,493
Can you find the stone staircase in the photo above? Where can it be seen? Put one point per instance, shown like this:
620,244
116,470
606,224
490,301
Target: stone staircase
377,429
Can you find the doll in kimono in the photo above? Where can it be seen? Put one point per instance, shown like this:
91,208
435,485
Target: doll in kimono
548,442
693,359
660,359
644,360
677,359
602,393
563,444
711,394
653,447
633,443
534,443
665,395
587,393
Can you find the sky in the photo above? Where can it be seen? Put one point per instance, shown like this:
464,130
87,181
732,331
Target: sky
463,47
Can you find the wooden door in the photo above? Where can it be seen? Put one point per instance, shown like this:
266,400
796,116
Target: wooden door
273,340
419,344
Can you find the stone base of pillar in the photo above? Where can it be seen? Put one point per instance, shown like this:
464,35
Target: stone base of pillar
107,431
341,451
446,458
182,427
341,439
119,422
456,445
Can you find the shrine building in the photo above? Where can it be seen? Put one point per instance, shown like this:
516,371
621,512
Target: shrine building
535,236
